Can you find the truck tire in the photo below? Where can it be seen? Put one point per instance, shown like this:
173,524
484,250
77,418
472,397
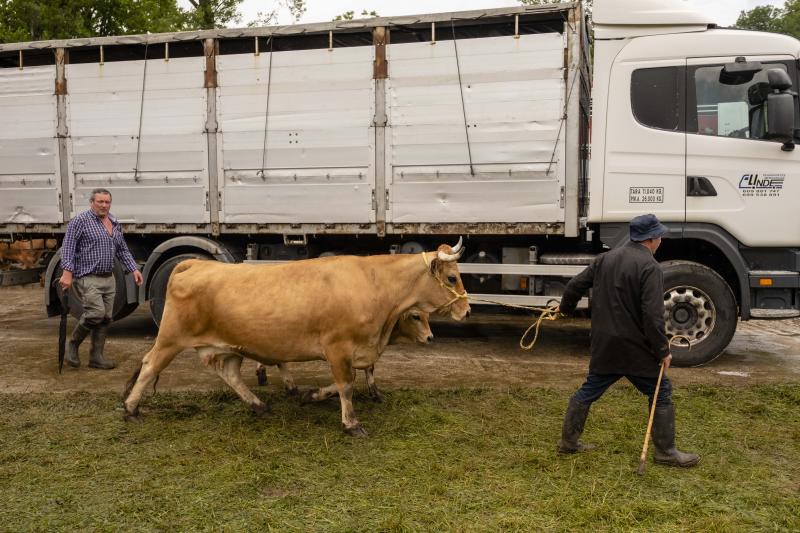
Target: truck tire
121,306
157,286
699,305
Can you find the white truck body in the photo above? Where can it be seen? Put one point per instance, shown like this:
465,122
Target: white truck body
398,133
474,135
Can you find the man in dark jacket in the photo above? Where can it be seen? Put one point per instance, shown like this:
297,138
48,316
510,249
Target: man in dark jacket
628,338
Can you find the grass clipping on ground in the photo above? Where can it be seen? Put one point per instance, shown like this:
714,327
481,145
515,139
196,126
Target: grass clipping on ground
436,460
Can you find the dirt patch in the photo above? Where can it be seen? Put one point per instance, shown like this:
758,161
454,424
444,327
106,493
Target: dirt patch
481,352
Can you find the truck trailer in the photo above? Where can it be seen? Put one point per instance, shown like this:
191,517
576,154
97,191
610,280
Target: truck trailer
395,134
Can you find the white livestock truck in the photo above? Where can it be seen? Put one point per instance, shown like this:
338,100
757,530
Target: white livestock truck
396,134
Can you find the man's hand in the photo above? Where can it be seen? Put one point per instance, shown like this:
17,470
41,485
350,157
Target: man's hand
667,360
65,281
137,277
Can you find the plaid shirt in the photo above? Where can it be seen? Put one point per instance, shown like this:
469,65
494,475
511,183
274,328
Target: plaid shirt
89,249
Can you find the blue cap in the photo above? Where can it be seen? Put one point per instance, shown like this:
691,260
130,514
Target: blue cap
646,227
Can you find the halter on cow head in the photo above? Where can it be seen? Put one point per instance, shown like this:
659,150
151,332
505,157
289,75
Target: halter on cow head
451,297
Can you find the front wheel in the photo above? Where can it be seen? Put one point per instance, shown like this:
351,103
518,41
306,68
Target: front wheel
700,307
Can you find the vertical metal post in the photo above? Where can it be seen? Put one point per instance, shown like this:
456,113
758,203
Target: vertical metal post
102,55
166,51
433,33
380,38
330,41
62,134
463,105
516,26
211,129
572,148
20,59
257,52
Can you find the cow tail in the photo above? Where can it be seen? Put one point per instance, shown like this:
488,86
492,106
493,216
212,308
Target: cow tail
131,383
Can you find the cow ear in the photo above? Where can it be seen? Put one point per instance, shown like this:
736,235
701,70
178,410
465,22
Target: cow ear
434,265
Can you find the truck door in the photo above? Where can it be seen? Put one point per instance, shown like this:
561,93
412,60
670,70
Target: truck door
736,178
645,140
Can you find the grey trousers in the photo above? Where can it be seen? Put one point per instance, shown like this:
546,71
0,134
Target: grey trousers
97,296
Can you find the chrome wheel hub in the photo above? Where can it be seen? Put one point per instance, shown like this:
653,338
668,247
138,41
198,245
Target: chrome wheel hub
690,313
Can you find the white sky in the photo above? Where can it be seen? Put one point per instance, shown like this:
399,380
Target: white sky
724,11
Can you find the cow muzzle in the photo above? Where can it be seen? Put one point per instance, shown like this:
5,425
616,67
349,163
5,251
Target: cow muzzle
460,309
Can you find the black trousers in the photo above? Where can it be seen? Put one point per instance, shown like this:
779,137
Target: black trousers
596,384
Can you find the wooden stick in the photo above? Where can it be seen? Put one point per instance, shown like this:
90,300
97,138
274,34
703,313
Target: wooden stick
643,457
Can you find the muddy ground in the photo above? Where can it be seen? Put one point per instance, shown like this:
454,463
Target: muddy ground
481,352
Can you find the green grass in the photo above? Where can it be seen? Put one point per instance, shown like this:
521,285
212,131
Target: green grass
465,460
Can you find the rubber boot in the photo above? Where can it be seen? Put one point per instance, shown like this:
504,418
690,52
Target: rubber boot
574,420
98,343
664,440
78,334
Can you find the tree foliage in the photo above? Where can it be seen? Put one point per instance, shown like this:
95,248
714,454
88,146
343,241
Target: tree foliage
784,19
294,8
209,14
350,15
33,20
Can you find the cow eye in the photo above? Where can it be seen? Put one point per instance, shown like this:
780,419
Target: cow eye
416,317
451,280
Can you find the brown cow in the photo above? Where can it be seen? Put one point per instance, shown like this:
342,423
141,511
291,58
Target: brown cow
341,309
412,326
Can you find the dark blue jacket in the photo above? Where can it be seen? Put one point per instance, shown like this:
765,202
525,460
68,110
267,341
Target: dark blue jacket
627,311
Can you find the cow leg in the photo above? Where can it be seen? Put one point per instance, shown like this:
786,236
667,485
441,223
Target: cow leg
153,363
288,381
324,393
230,372
374,393
320,394
344,375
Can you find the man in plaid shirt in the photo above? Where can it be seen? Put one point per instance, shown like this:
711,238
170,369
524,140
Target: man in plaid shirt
92,242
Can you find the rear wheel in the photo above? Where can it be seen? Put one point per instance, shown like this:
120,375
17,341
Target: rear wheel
121,306
157,287
700,307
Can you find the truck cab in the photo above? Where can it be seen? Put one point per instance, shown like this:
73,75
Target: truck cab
696,124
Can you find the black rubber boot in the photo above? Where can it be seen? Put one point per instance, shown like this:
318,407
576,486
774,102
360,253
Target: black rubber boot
664,440
98,343
78,334
574,420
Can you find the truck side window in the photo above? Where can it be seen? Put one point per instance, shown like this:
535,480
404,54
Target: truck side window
657,97
731,110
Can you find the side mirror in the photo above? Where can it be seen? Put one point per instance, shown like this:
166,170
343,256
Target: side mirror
780,108
739,72
779,79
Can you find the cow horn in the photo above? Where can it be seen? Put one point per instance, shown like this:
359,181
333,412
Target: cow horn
457,247
448,257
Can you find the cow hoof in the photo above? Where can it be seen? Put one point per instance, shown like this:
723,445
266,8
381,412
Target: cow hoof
132,417
377,396
261,410
308,396
356,431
